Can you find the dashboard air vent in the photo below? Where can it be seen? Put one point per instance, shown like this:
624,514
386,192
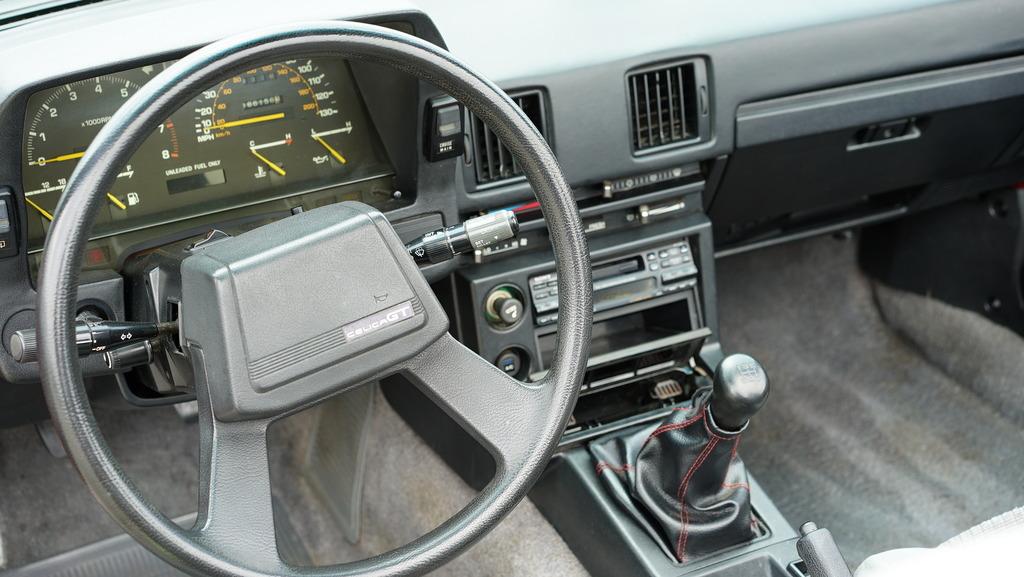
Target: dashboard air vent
666,104
492,158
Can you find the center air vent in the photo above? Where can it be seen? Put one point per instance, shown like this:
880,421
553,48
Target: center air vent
492,158
668,105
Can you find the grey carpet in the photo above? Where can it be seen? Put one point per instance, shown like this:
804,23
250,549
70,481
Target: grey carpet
45,508
987,358
862,433
409,490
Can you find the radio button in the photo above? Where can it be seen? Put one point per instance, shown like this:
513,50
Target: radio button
671,276
545,306
547,319
674,261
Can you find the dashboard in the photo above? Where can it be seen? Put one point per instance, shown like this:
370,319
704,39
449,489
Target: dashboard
768,145
282,129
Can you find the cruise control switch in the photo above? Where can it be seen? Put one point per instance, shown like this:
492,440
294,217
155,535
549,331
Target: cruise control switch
474,234
91,337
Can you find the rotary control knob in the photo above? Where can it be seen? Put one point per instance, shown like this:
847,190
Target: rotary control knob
509,309
504,307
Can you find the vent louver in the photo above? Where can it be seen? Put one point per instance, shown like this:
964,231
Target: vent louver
493,159
664,105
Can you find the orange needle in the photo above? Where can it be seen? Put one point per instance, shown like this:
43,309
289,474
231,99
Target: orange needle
44,161
244,121
41,210
276,168
330,149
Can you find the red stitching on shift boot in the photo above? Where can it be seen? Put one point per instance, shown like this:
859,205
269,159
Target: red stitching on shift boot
671,427
602,466
732,457
674,426
684,515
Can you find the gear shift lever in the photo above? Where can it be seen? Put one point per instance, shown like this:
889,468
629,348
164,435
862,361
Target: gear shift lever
681,478
741,389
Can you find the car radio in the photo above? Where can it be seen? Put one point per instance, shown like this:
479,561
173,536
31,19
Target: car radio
638,277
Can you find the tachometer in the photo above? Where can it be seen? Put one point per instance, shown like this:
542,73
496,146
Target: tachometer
61,128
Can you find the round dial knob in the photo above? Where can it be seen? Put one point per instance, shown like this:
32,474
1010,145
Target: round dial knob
509,309
504,307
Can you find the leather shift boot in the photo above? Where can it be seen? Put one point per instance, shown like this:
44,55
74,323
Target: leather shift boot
682,479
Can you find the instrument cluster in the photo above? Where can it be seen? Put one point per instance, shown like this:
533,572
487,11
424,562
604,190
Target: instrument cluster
282,129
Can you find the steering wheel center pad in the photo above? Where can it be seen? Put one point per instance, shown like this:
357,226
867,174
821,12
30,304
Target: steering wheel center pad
291,312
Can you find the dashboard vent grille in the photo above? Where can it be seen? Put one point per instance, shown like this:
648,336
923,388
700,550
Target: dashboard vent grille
664,105
492,158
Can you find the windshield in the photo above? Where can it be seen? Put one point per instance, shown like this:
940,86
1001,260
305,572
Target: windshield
14,10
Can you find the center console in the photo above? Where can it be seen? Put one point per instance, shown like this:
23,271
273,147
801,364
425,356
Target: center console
652,265
654,347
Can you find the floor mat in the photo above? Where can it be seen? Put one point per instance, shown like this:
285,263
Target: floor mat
45,507
861,433
985,357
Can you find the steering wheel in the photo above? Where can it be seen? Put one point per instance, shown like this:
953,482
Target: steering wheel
359,310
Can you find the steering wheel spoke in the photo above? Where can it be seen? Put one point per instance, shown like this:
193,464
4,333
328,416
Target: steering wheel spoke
498,410
236,516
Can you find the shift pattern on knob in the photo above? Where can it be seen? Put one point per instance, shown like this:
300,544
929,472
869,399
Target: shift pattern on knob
740,390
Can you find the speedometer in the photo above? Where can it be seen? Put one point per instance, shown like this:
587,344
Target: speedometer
281,118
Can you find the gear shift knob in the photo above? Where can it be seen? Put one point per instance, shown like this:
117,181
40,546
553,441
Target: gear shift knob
741,389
